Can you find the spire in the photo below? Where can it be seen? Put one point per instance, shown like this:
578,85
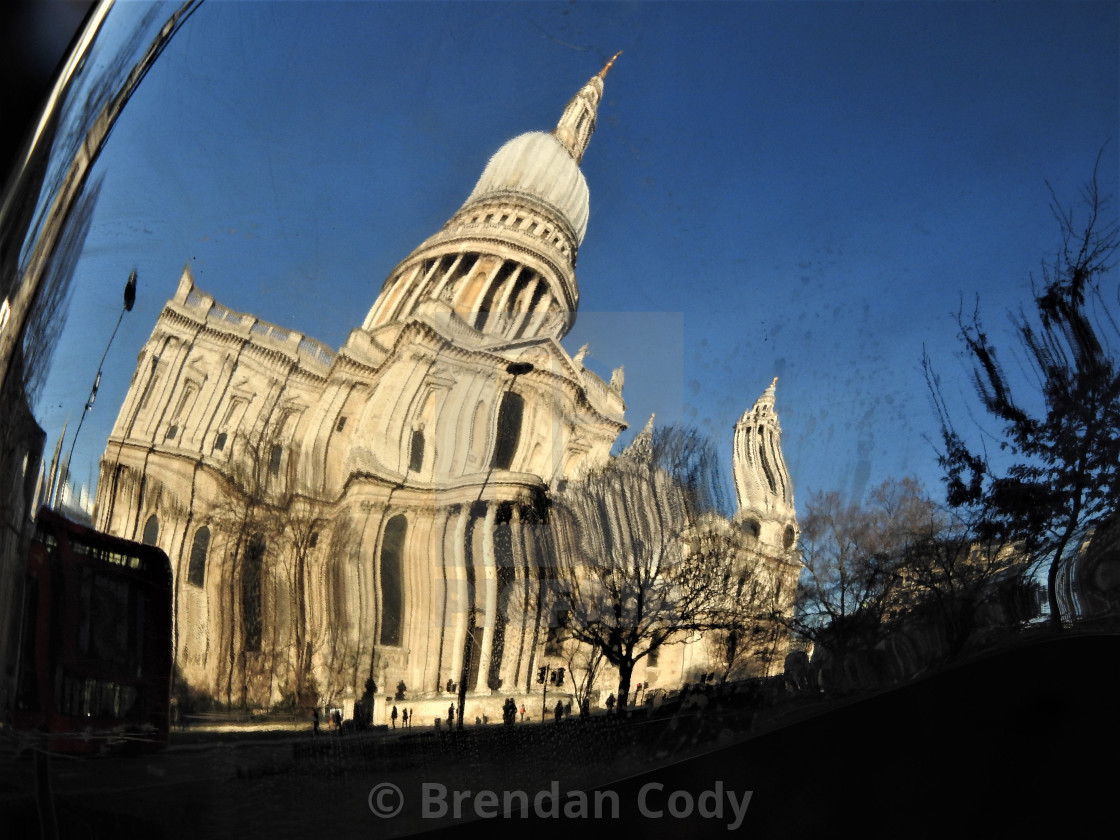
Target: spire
762,481
505,262
767,397
577,124
763,409
607,66
641,447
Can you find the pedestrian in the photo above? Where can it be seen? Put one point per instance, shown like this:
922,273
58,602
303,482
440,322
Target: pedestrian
404,719
315,721
610,703
450,715
393,717
558,711
522,712
363,711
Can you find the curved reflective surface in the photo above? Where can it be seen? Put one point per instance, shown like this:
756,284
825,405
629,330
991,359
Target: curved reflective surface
330,334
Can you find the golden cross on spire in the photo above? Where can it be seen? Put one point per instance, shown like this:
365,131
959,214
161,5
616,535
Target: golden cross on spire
603,72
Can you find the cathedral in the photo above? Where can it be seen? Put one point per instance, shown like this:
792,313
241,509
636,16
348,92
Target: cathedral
376,511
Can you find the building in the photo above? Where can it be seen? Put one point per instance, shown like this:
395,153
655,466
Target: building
374,512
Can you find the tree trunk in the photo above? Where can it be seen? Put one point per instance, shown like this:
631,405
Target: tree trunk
1055,621
625,672
1052,575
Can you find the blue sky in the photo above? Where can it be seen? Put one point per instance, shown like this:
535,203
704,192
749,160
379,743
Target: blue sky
801,190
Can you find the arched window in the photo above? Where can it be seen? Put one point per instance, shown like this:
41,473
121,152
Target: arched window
416,451
151,531
392,583
504,563
251,591
732,647
275,456
196,571
509,429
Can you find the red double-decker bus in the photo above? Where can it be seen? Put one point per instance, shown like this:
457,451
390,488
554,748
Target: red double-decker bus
95,648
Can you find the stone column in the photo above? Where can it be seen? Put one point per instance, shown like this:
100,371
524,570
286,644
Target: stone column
486,595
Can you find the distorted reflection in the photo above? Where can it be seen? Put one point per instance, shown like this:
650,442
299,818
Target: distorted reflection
397,515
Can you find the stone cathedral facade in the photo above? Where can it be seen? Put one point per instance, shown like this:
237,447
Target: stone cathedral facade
375,511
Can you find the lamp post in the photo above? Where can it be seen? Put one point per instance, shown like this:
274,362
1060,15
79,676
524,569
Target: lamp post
468,665
514,369
547,674
129,301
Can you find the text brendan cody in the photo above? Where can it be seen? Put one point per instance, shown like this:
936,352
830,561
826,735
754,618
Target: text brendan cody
652,802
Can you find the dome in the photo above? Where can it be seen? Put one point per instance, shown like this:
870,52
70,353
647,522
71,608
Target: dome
539,166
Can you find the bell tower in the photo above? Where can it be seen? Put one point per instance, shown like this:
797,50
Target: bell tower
763,489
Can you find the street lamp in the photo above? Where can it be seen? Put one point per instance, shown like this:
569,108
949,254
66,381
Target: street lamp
514,369
547,674
129,301
468,664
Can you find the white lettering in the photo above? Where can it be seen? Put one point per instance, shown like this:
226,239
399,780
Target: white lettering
682,796
553,793
653,802
433,794
576,806
740,812
601,795
523,799
642,794
460,796
486,799
716,797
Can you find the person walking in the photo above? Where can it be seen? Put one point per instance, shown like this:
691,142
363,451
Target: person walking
393,717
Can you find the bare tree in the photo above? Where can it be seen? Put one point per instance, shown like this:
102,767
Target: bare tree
259,515
852,557
301,533
1058,471
584,666
632,567
750,636
953,580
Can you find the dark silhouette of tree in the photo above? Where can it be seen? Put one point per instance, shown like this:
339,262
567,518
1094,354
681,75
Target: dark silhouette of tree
270,534
851,556
954,582
897,565
584,666
1058,466
628,575
750,635
300,531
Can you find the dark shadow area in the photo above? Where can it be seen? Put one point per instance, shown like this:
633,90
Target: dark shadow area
1014,744
1017,744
